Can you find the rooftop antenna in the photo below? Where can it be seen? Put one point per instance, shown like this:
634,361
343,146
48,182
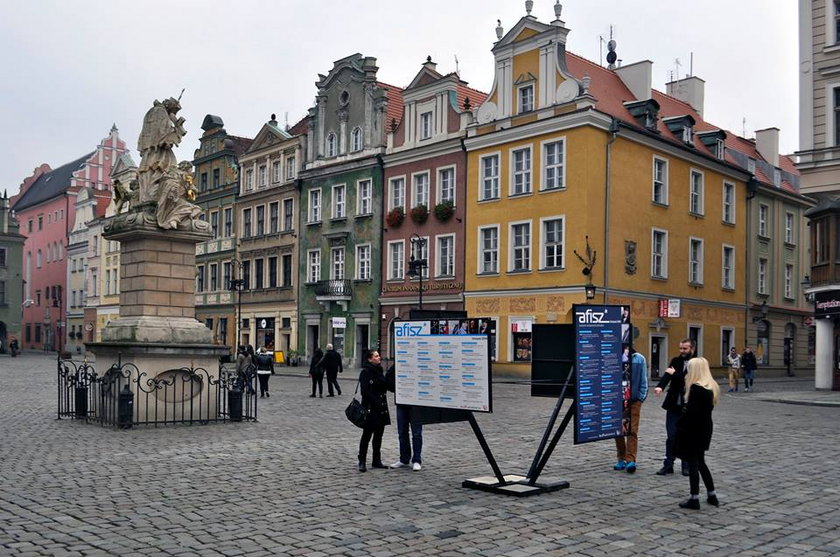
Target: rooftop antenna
611,55
691,65
457,71
677,65
287,120
601,42
744,127
182,94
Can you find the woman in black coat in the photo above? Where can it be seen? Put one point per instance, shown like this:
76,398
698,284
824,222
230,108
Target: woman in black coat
694,430
373,386
316,372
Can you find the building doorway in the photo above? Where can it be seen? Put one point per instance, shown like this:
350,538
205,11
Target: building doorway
312,340
657,354
362,343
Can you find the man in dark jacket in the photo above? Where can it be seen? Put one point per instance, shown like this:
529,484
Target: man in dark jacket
749,365
674,379
333,366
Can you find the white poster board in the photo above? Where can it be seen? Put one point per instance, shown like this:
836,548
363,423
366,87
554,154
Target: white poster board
442,371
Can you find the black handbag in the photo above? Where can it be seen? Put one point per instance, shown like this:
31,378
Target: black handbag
356,412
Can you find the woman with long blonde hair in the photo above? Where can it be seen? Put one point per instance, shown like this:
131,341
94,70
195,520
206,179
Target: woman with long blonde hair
694,430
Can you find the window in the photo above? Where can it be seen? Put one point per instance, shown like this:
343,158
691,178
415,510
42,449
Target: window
489,249
226,275
315,206
489,177
728,268
263,174
397,193
272,272
426,125
364,195
728,203
445,256
520,235
203,181
686,133
777,177
720,150
526,98
837,116
260,220
695,261
339,202
332,145
337,266
40,222
420,189
789,281
246,275
276,172
49,254
214,277
762,276
223,330
660,181
274,217
521,163
763,211
38,259
313,270
396,260
420,251
199,279
356,139
249,179
259,272
287,270
552,243
37,332
363,262
246,223
291,170
288,215
215,177
788,229
696,193
820,243
446,185
228,222
30,225
836,26
107,283
214,223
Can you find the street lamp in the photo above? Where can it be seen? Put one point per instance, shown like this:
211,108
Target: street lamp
588,264
236,285
762,309
806,285
416,266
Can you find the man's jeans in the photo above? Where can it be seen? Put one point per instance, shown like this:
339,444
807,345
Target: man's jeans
671,419
403,419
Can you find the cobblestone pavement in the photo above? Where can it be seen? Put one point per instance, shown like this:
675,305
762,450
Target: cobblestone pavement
288,484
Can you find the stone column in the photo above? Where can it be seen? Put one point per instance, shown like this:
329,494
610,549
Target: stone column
824,364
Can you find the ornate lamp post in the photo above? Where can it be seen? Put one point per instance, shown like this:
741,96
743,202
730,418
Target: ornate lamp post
588,264
416,266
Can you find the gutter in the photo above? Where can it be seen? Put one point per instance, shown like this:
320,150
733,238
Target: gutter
614,128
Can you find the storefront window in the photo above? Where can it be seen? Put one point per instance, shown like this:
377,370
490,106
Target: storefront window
762,349
521,336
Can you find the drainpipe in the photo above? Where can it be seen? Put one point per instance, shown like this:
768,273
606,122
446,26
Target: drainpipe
614,127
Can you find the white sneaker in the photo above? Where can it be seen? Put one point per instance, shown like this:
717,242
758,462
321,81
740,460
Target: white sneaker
398,464
416,467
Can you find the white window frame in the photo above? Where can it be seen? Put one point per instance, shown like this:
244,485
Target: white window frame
276,172
291,170
728,204
396,269
416,198
249,179
363,262
727,274
452,170
250,222
364,199
790,221
763,219
481,250
512,247
441,266
831,22
493,179
525,173
314,211
527,104
426,128
663,255
663,182
761,276
356,142
339,201
392,200
788,281
313,266
699,195
338,263
544,243
288,219
560,168
263,176
331,145
695,267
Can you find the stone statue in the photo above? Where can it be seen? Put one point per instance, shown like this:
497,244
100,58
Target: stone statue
125,194
174,196
162,130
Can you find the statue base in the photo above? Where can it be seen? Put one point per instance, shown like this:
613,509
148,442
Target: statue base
156,329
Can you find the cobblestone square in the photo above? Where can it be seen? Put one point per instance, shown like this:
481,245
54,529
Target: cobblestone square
288,484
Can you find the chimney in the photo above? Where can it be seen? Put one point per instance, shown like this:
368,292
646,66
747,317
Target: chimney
637,77
689,90
767,144
429,65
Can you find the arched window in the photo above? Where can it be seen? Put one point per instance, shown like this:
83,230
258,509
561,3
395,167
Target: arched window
38,259
332,145
60,251
49,254
356,139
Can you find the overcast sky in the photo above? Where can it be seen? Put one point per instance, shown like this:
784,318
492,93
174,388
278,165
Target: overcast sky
72,68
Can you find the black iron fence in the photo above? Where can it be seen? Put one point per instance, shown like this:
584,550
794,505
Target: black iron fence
125,396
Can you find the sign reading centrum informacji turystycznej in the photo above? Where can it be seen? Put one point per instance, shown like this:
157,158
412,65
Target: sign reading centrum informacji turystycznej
599,371
442,370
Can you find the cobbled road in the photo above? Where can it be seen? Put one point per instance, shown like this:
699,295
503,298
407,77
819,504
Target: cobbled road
288,485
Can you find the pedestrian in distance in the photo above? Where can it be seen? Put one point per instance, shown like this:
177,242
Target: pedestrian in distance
244,370
265,369
331,363
734,362
694,430
373,386
410,448
674,380
749,365
628,445
316,372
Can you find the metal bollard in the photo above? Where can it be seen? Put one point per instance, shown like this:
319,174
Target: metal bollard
125,408
235,404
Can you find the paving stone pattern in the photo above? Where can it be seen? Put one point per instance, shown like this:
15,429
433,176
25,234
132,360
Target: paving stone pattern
288,485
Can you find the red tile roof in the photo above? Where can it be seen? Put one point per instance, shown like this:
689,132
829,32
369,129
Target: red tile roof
394,108
301,127
462,92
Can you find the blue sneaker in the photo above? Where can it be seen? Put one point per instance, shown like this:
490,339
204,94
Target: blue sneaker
631,467
620,465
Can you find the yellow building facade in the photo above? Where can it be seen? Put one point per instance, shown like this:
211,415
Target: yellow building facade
565,152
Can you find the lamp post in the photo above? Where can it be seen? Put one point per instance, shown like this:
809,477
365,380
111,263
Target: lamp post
588,264
763,310
236,285
416,266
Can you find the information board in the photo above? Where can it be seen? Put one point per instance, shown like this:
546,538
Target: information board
441,370
598,346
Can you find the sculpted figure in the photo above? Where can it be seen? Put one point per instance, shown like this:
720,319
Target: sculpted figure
174,195
162,130
125,194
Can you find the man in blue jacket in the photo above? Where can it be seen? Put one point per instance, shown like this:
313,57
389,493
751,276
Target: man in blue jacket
627,446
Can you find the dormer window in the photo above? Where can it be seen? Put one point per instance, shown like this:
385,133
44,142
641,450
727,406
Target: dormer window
646,113
526,98
686,134
426,125
751,166
720,151
356,139
777,177
714,141
682,127
332,145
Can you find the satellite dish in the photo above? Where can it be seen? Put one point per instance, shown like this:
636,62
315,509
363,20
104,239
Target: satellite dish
611,45
611,57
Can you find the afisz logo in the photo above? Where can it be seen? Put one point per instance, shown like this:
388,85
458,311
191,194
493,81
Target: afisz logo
592,316
408,330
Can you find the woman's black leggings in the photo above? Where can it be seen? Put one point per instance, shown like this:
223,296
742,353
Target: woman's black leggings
696,469
376,433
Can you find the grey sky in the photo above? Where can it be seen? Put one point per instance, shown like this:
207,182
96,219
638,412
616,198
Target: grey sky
72,68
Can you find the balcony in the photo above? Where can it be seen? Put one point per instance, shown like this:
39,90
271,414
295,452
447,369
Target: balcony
340,291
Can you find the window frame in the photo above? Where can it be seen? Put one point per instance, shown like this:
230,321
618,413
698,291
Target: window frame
727,275
695,266
364,201
494,180
699,195
246,222
527,104
544,245
274,217
313,213
338,194
763,220
493,250
415,198
426,126
338,266
363,263
788,281
331,145
513,247
396,272
313,265
526,174
663,183
790,223
356,140
289,216
761,276
440,266
452,171
728,205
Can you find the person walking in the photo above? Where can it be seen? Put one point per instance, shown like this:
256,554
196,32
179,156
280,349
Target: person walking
316,372
734,361
627,446
331,362
407,419
694,430
749,365
244,370
373,385
674,379
265,369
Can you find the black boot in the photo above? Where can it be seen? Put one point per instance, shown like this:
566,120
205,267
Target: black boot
362,467
691,504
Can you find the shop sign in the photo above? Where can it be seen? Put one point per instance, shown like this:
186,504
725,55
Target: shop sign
827,304
339,322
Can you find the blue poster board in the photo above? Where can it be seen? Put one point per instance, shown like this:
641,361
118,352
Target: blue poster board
598,349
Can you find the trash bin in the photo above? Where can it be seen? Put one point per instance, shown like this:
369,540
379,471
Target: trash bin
235,404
